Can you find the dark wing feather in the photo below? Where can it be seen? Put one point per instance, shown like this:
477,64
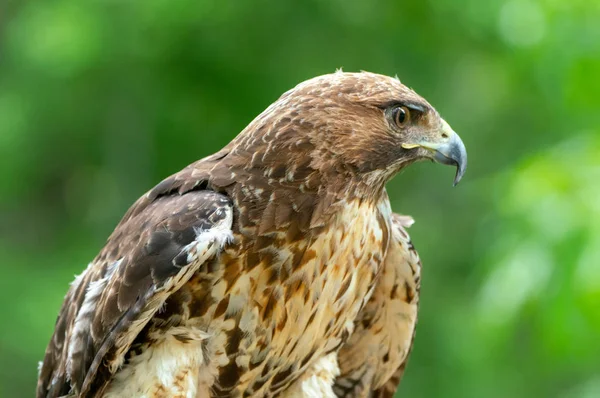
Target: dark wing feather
159,244
373,359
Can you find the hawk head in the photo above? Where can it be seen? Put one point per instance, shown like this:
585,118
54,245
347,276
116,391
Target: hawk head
359,126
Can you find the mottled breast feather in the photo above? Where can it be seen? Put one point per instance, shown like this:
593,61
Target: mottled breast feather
373,360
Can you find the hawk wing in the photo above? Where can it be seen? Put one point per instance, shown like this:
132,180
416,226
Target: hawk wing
372,361
163,239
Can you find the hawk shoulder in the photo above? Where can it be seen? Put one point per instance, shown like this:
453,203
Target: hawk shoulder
155,249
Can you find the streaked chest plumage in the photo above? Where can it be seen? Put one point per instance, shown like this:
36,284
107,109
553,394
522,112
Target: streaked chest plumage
272,305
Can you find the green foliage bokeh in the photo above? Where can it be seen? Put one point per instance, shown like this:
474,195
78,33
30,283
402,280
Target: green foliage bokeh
101,99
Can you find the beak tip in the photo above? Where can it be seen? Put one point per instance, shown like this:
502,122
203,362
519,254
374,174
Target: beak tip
458,154
460,171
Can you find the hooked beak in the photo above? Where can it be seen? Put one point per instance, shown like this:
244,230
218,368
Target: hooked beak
448,150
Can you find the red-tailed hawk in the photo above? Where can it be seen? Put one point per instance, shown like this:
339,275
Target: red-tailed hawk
274,267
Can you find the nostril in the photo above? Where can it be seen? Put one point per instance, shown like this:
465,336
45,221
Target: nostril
444,135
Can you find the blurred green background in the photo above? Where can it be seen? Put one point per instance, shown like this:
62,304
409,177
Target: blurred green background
101,99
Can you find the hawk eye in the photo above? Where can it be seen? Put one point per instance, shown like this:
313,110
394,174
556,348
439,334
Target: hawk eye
401,115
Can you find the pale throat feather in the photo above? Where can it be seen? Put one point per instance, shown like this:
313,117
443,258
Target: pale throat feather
348,260
348,266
